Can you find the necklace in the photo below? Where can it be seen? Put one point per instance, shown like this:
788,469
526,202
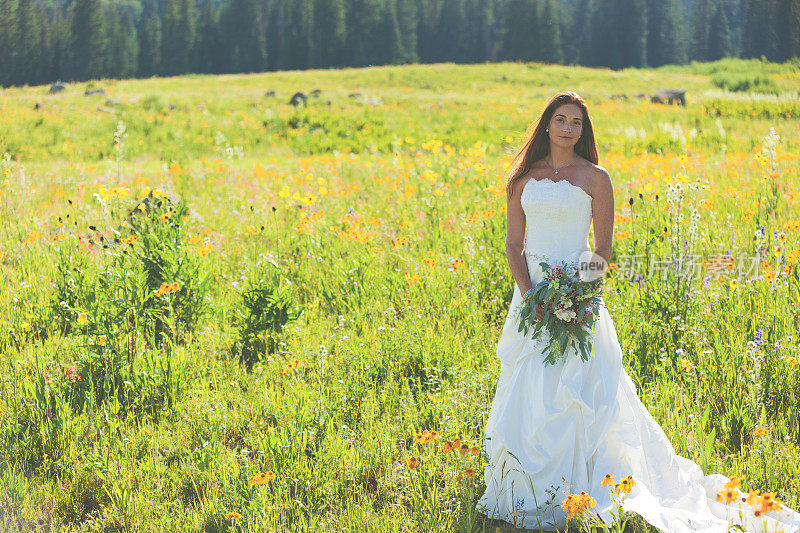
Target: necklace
563,166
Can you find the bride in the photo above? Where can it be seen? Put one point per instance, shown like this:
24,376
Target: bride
559,429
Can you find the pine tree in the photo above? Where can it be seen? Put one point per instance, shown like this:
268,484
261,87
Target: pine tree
719,35
571,42
364,41
392,49
604,45
130,48
122,54
28,41
788,29
243,36
41,44
521,39
664,43
329,32
177,36
480,19
88,39
631,30
9,43
208,47
149,57
581,28
759,36
61,37
299,41
734,12
427,26
452,28
407,22
550,50
44,69
277,35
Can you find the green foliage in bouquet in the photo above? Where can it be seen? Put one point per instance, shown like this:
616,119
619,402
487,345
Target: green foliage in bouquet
569,312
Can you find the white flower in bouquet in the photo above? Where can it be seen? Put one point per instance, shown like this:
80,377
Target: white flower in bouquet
565,315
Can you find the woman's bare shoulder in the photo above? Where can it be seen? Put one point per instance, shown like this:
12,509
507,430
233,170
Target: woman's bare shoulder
594,169
590,175
517,186
600,170
600,181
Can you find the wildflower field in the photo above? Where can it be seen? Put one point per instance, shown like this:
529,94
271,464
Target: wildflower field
222,312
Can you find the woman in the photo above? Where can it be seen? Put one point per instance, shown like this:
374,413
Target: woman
558,429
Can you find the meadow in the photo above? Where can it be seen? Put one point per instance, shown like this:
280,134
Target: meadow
296,327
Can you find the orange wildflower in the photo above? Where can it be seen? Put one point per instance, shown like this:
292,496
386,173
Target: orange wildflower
575,504
425,437
759,432
735,481
166,288
262,479
625,485
454,445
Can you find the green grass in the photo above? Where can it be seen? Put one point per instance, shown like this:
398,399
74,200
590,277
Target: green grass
381,218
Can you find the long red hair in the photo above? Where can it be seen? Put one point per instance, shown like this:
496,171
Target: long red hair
538,144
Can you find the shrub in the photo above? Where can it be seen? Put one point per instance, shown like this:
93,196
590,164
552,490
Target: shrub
151,286
267,305
164,259
745,83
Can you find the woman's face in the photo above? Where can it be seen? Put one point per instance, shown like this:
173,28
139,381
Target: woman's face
566,125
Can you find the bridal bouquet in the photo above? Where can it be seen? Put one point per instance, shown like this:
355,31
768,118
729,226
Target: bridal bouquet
570,308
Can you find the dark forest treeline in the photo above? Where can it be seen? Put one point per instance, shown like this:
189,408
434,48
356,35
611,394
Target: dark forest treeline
43,41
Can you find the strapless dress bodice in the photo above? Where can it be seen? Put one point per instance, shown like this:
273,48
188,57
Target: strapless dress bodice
558,216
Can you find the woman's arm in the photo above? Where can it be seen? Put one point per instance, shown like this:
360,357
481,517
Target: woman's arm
515,238
603,218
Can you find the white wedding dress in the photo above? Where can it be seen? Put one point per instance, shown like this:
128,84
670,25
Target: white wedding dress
577,421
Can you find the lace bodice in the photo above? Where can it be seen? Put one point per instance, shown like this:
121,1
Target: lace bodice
558,215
